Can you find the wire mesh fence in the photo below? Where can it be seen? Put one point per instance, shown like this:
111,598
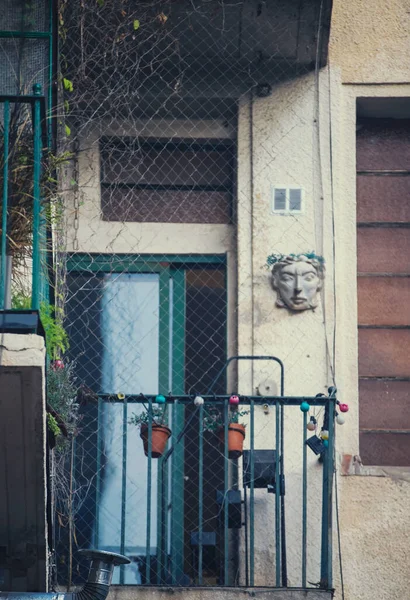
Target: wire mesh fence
166,125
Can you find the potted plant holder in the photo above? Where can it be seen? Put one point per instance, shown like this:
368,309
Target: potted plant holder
213,421
160,431
236,437
159,439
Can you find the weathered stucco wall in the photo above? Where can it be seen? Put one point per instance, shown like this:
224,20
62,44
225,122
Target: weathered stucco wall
375,533
295,134
370,41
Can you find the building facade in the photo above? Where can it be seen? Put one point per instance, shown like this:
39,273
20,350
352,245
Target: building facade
227,145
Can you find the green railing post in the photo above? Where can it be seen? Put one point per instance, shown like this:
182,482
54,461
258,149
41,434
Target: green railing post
98,474
304,501
149,494
5,204
37,143
124,484
200,491
327,505
277,495
252,501
226,488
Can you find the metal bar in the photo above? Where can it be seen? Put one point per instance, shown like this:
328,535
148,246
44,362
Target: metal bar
98,477
246,357
109,263
327,508
282,501
178,482
304,501
25,34
200,490
177,500
277,496
245,504
226,490
252,501
35,299
220,398
7,291
6,140
330,473
123,484
149,489
163,502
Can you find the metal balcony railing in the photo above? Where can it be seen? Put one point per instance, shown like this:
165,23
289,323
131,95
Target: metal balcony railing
22,124
200,511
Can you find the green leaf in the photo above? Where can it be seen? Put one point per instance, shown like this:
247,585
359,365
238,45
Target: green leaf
136,24
67,130
100,3
53,425
68,85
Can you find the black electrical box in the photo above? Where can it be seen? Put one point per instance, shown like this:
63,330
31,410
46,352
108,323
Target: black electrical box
234,499
264,464
21,321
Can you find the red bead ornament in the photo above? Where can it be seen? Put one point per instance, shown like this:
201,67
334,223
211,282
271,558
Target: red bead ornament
234,400
57,364
344,407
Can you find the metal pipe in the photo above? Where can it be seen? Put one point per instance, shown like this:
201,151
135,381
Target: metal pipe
6,120
98,582
35,299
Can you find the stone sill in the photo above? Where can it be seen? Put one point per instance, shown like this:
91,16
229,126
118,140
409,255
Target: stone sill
351,465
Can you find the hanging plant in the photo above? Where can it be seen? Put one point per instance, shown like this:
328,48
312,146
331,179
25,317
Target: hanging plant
160,432
214,421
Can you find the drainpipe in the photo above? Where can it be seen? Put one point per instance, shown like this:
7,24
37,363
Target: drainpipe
96,588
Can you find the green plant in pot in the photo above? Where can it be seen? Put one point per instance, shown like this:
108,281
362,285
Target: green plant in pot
160,431
214,421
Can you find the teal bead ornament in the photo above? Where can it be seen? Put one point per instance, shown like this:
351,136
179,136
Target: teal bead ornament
305,406
325,443
160,399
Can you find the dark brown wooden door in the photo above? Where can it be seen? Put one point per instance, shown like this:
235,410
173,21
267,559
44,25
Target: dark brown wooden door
383,254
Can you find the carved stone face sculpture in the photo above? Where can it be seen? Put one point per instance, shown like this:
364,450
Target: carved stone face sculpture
297,281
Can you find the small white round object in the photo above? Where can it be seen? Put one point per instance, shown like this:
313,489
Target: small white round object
324,434
311,426
198,401
340,420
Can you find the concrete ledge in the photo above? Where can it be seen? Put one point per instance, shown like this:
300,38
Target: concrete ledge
131,592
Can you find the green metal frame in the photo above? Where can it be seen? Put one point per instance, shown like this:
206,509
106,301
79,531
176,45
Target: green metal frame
178,422
39,279
163,378
171,332
120,263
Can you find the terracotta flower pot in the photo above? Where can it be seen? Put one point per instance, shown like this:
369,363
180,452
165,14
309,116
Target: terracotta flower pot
236,436
160,435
